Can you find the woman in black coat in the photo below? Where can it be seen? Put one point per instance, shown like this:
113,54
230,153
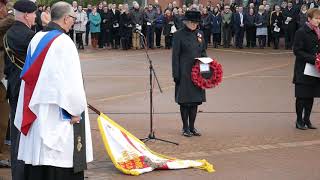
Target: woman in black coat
125,29
188,44
276,24
305,48
206,25
168,23
250,29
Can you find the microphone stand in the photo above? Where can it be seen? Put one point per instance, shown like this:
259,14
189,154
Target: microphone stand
152,73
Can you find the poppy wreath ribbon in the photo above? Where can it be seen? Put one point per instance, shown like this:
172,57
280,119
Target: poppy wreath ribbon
204,83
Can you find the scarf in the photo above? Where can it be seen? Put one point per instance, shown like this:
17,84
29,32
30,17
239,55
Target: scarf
315,29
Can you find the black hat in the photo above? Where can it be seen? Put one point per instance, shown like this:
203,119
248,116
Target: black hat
194,16
25,6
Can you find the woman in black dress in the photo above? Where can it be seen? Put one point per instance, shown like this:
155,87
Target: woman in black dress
276,24
305,48
188,44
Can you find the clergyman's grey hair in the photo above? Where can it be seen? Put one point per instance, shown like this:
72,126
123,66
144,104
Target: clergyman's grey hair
60,9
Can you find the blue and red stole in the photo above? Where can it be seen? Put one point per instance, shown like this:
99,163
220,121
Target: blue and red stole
30,74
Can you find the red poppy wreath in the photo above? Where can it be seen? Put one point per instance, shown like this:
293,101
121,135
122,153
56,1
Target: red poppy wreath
211,82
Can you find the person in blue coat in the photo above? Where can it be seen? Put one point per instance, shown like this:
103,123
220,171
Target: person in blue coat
95,21
216,27
239,27
159,23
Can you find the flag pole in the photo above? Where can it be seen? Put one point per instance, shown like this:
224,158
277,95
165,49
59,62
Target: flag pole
94,109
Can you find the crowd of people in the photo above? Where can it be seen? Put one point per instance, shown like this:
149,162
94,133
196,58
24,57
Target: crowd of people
122,26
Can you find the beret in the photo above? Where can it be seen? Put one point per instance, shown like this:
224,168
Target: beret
25,6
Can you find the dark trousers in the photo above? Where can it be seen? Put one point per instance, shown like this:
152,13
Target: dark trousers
227,35
51,173
188,116
207,34
239,37
4,115
158,32
79,40
87,34
262,41
270,38
125,43
276,39
251,36
71,34
8,131
101,38
150,36
216,38
17,166
108,37
115,38
304,105
289,36
168,41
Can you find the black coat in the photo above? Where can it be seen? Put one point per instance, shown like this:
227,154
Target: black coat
276,20
249,23
168,23
18,37
262,20
290,13
115,18
178,21
186,48
237,21
305,47
125,25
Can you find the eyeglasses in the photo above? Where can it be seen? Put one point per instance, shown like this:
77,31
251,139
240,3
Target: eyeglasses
73,17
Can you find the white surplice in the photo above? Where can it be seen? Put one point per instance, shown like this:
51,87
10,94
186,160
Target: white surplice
60,85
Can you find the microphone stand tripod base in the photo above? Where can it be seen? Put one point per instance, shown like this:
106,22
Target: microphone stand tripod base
151,136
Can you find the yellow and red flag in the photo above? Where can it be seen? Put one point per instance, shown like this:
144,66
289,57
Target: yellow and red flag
133,157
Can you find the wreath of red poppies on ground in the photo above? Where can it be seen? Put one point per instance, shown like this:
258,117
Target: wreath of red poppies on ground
204,83
318,62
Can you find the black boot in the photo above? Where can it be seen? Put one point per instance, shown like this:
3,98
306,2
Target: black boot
184,116
215,44
300,124
307,113
192,118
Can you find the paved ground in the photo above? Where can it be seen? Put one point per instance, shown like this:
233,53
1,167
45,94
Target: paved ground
247,123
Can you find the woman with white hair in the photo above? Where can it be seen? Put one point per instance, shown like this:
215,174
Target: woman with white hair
80,26
261,21
45,16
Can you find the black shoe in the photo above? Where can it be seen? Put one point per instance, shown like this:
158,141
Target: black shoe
195,132
310,126
5,164
186,133
301,127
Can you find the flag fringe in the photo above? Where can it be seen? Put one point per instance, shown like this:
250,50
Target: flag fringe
206,166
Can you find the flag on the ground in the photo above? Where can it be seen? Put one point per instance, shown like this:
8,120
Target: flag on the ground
133,157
